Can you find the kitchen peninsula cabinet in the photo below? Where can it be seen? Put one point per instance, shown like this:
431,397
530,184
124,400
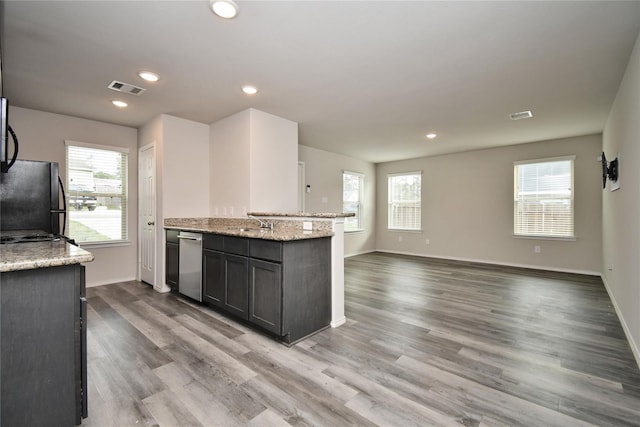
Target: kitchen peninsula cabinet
282,287
172,260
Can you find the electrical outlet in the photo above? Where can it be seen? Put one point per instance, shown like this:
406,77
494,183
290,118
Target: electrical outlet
537,249
428,242
399,238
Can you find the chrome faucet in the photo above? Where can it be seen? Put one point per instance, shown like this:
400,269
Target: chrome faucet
263,224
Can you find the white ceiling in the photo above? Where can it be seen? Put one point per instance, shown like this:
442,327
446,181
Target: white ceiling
366,79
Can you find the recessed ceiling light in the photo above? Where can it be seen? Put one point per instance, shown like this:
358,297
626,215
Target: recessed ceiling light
250,90
521,115
431,135
118,103
149,76
224,8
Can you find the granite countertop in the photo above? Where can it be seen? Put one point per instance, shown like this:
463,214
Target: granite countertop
303,214
32,255
283,230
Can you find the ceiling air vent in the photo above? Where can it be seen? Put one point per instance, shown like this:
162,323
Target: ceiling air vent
521,115
126,88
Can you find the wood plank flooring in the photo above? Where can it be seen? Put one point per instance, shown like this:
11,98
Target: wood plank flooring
427,343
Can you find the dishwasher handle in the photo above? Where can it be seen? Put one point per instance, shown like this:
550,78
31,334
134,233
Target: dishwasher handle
189,238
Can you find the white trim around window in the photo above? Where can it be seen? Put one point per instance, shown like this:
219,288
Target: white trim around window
543,195
352,200
404,194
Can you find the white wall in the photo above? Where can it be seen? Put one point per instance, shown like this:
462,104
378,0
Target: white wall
254,164
42,137
621,208
185,176
273,163
467,201
323,172
229,161
182,174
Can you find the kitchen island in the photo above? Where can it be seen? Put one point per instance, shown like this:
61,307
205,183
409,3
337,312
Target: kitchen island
276,275
43,353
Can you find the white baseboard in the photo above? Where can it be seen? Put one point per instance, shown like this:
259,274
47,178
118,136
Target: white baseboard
625,328
491,262
360,253
339,322
110,281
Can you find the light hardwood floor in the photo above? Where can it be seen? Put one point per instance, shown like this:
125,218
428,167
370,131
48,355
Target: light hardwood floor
427,342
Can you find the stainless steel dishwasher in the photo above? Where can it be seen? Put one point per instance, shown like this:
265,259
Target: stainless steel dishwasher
190,276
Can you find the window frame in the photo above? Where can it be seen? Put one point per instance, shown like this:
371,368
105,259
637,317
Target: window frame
517,233
358,217
125,217
394,226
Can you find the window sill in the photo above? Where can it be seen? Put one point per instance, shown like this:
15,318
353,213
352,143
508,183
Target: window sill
359,230
565,239
97,245
405,230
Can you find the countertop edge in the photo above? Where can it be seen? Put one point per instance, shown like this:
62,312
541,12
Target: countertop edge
318,215
264,235
32,256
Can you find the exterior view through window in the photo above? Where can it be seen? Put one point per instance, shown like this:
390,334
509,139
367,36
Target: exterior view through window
543,198
96,193
352,195
405,204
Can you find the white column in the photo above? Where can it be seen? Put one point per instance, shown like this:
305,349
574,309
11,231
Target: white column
337,274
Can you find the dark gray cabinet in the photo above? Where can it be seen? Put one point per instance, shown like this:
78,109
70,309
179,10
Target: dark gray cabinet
225,273
265,290
213,277
283,287
43,350
172,259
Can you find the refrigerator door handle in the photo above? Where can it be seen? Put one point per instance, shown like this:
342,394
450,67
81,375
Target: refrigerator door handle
64,206
15,145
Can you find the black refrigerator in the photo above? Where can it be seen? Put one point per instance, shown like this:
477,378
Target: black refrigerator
30,195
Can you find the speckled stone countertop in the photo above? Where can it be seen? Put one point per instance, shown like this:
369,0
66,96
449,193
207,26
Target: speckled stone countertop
304,214
283,230
31,255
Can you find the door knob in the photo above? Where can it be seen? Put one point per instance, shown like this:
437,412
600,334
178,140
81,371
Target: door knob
151,223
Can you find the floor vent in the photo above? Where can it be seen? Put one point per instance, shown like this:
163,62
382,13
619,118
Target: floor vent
126,88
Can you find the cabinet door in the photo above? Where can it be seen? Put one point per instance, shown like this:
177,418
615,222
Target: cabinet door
172,265
236,299
265,295
213,264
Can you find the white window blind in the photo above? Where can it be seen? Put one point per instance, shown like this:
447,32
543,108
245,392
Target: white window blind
96,193
543,198
352,195
405,204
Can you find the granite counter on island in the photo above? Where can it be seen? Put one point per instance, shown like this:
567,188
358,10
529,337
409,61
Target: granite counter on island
283,229
35,255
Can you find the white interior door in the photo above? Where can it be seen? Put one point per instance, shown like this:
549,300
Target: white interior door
147,212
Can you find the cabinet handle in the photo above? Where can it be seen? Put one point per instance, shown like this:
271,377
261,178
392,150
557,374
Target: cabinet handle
151,223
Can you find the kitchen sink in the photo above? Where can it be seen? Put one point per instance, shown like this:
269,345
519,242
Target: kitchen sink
249,229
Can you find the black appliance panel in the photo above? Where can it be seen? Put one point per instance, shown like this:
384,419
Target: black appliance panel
29,197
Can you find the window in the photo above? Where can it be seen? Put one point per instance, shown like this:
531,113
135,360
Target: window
352,195
96,193
543,198
405,205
